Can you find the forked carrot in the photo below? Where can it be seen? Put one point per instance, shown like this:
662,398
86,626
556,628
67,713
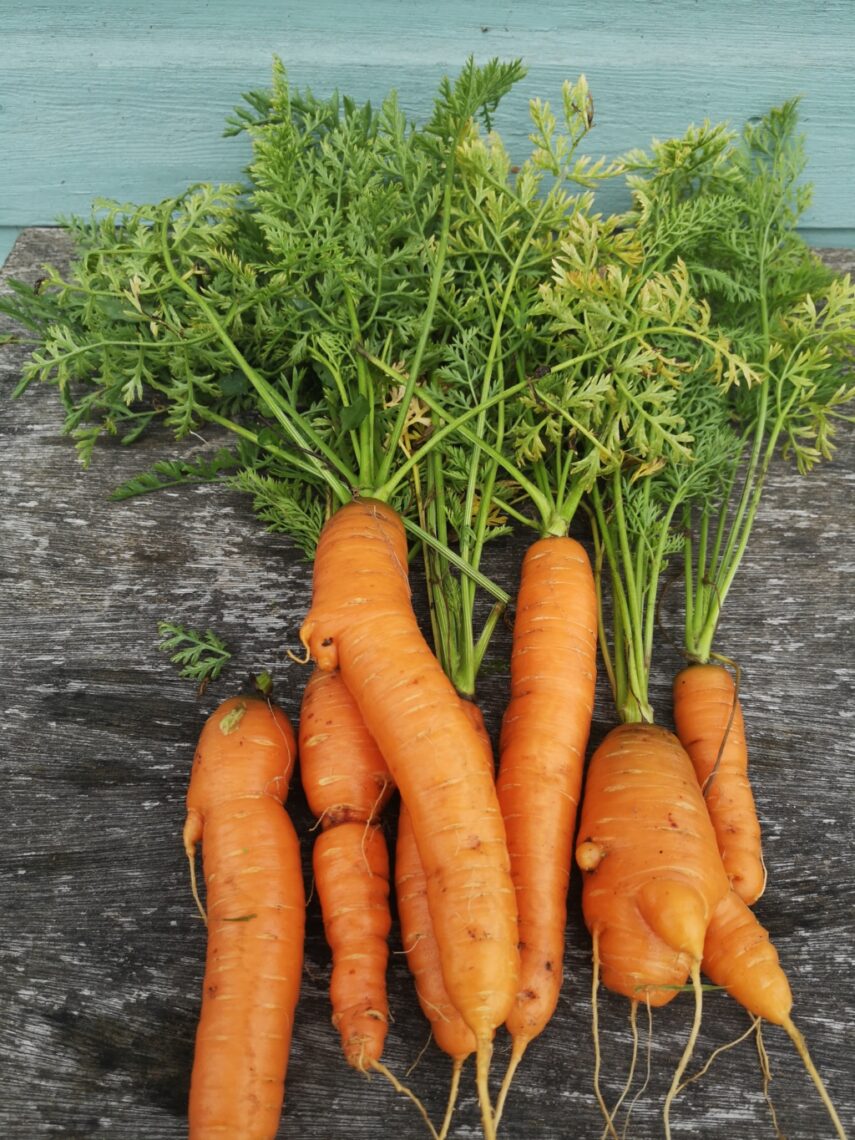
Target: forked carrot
362,622
652,873
739,955
256,911
347,784
542,753
709,723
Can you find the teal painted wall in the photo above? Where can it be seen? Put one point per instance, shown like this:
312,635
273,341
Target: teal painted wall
127,99
7,240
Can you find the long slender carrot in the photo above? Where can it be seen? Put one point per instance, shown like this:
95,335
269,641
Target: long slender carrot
542,752
362,621
709,723
347,784
652,872
739,955
449,1030
256,909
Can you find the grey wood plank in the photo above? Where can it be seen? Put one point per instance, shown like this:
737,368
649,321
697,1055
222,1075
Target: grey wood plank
102,952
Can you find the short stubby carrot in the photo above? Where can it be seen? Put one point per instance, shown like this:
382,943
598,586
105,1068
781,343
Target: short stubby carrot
542,754
709,723
362,622
652,872
347,785
256,910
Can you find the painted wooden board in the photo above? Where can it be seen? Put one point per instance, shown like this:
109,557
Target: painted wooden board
8,237
128,100
101,954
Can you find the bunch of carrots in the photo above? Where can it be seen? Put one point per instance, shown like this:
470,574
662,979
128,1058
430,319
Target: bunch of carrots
417,346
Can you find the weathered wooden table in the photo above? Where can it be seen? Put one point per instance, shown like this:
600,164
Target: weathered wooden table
102,950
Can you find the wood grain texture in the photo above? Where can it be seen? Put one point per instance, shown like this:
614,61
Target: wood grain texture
102,955
128,101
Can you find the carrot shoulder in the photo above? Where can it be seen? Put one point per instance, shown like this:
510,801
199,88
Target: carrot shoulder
347,784
542,752
256,907
709,723
362,622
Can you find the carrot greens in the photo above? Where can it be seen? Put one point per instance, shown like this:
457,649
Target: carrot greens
728,209
401,325
258,308
201,656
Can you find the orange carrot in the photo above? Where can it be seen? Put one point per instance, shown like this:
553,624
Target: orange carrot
542,753
450,1031
352,878
652,872
739,956
344,776
362,621
652,875
708,719
347,784
256,908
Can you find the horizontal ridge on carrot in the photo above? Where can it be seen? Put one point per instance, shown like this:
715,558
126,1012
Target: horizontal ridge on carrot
256,915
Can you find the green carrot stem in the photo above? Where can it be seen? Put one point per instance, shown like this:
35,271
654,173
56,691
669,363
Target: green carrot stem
384,470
